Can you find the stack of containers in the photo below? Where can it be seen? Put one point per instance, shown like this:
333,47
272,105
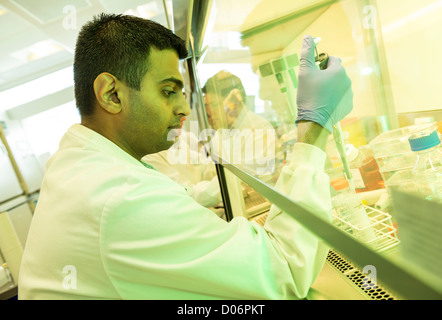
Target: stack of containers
419,216
427,172
420,225
395,158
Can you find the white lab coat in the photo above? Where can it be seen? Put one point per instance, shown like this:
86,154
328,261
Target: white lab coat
186,164
250,143
107,227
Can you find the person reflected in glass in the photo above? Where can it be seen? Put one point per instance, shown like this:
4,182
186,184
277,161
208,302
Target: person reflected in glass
243,137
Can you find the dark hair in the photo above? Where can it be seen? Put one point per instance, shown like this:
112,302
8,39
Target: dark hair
118,44
222,83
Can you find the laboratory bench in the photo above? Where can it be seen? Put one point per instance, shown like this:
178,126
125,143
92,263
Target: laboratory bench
340,279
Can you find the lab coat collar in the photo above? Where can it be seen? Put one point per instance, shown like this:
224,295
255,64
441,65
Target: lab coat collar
94,140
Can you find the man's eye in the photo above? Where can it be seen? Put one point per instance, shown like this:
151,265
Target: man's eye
169,93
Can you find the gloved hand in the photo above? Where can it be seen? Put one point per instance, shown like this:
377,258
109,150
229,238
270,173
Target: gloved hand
324,96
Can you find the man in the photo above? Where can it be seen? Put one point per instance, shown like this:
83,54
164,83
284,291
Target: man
242,138
185,162
225,100
108,227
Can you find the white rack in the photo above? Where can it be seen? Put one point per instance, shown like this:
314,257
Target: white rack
386,233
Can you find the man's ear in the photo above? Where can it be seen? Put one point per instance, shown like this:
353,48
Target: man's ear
106,89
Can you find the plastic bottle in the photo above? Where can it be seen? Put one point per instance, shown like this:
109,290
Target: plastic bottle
5,275
350,208
439,127
364,168
427,172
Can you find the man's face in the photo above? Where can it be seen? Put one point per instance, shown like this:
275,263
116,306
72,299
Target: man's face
233,105
158,108
215,110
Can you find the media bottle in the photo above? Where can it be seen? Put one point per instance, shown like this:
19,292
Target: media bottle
364,168
427,172
5,275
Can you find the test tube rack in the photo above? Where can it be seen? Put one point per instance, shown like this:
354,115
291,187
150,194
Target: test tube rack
386,233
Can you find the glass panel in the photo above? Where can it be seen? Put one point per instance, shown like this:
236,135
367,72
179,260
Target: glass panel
249,79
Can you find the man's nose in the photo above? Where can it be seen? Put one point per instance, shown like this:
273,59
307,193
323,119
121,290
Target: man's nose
182,107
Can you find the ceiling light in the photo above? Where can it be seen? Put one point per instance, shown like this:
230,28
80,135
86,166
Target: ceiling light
148,11
413,16
36,51
365,71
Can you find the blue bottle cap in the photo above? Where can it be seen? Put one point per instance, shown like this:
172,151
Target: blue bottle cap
419,142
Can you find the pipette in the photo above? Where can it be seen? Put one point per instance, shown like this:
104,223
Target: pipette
321,60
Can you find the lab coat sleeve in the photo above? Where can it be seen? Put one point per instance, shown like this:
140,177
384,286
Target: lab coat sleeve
304,181
206,192
200,180
158,243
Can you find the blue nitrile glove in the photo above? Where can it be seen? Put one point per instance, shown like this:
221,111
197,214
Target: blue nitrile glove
324,96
